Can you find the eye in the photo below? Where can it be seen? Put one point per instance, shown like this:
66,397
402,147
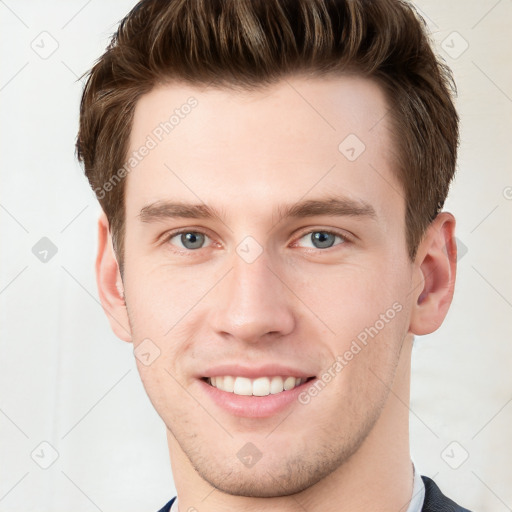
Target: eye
322,239
189,240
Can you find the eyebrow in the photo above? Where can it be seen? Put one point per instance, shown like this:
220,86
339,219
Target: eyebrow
333,206
161,210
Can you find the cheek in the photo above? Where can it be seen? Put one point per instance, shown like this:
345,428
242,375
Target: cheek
349,298
166,315
161,297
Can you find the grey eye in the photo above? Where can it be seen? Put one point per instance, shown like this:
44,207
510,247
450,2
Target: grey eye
321,239
190,239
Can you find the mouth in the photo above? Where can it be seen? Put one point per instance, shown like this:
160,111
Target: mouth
259,387
254,391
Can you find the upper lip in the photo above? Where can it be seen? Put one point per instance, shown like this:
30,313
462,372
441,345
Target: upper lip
253,372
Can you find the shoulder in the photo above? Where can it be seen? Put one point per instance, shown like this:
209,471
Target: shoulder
167,506
436,501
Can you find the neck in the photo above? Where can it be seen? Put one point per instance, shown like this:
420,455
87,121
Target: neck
377,477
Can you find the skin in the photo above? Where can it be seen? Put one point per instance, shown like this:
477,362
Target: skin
248,154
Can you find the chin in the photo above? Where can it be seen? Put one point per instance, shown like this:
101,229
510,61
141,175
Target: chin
264,483
282,474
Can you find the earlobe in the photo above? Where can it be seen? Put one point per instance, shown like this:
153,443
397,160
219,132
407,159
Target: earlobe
436,264
110,285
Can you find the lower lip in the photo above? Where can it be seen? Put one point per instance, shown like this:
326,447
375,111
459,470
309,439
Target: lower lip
254,406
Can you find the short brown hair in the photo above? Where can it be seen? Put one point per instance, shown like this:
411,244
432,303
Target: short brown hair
248,44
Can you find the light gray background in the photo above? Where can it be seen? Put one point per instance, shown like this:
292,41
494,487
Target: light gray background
67,381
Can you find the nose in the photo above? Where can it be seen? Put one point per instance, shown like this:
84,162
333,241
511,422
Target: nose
253,303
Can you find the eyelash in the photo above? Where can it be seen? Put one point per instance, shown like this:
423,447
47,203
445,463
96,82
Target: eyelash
345,238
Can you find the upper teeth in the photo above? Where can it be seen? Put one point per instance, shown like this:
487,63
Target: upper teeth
262,386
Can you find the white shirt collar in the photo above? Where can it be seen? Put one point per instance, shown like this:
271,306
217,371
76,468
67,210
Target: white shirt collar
418,492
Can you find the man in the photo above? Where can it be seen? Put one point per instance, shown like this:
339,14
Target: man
272,175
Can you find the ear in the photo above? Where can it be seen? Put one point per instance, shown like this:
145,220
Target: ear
110,285
435,269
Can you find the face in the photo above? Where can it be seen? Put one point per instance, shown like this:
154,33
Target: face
266,266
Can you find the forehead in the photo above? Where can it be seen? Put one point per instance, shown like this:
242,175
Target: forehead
297,137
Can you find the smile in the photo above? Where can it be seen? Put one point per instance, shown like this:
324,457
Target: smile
261,386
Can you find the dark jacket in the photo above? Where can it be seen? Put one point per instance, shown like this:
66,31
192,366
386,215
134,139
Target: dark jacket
436,501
